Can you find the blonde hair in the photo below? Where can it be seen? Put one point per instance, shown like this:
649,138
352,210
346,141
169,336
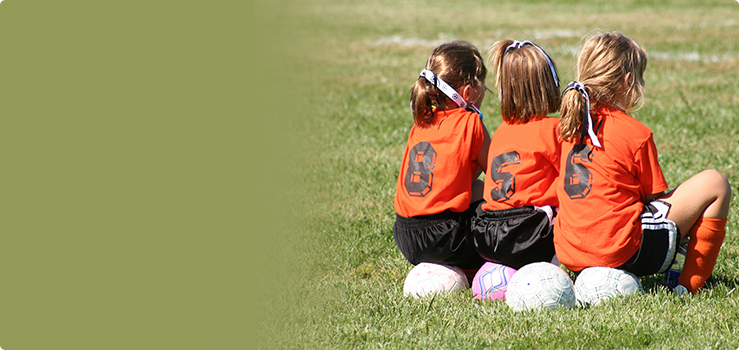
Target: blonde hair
458,63
605,63
526,81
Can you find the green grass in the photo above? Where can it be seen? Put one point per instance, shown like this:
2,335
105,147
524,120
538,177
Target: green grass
340,279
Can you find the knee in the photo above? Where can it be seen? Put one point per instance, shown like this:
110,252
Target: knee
716,183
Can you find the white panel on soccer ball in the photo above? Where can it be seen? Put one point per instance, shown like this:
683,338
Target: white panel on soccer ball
540,285
595,284
427,278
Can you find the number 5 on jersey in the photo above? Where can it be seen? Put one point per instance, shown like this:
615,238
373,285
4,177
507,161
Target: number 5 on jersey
505,182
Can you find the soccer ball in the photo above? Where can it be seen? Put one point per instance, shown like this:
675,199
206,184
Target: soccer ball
540,285
491,281
595,284
427,278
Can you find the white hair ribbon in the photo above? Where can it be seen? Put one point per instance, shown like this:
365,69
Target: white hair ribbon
444,87
520,44
579,87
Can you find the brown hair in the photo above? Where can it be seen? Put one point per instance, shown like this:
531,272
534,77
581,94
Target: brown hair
458,63
528,88
605,62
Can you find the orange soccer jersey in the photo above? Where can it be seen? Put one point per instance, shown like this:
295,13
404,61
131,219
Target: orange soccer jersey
439,164
524,164
602,191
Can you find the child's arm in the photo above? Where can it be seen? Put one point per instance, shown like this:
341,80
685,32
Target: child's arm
482,156
478,186
651,197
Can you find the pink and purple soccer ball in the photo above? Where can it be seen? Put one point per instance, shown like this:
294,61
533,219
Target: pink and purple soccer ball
491,281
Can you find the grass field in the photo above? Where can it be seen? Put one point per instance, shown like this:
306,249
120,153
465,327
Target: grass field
340,281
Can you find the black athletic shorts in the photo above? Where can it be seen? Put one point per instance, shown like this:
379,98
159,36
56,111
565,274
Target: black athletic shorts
442,238
659,241
513,237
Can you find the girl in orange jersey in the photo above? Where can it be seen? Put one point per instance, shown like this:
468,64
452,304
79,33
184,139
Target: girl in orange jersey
446,149
513,226
614,210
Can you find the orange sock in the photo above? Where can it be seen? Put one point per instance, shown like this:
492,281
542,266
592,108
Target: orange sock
706,237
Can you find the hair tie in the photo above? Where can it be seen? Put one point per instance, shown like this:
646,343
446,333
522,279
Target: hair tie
444,87
579,87
519,44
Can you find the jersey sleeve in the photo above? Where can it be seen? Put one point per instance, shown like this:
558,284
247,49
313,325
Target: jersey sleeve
650,173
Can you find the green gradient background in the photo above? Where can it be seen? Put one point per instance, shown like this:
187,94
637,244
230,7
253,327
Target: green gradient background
133,168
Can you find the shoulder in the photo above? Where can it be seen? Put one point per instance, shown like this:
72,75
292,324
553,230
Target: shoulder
459,115
543,129
540,130
540,135
621,123
460,120
624,134
548,125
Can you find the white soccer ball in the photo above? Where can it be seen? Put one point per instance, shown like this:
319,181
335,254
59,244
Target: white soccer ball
540,285
427,278
595,284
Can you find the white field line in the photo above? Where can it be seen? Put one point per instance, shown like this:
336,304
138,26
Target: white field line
445,37
693,56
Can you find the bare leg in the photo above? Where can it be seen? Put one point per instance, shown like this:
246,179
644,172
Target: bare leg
706,194
700,207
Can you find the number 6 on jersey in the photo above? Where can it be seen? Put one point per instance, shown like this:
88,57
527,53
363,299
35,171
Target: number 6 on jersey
578,179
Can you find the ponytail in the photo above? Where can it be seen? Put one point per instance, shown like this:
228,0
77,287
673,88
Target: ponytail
571,115
585,118
424,99
456,64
